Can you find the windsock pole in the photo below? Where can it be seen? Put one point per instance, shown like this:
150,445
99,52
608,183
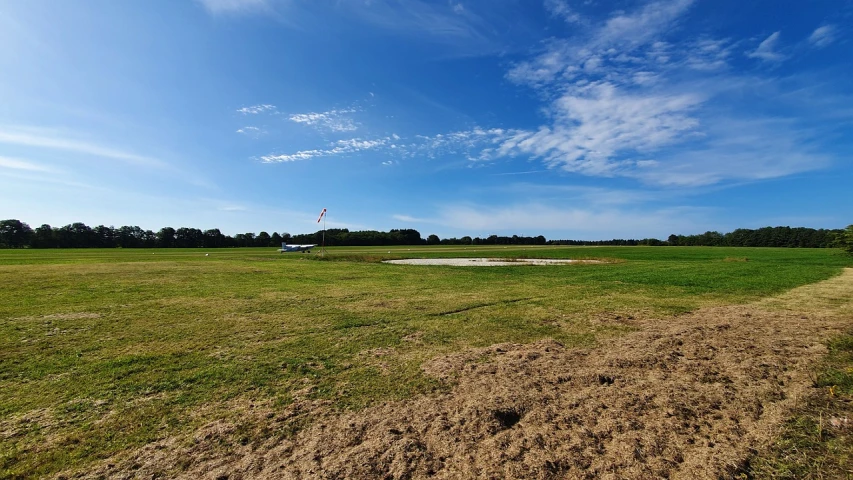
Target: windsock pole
323,217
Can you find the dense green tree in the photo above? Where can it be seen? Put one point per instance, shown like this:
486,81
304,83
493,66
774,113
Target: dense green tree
15,233
125,237
149,239
846,238
64,237
406,236
43,237
433,240
103,236
263,240
130,237
166,237
189,238
76,235
248,239
213,238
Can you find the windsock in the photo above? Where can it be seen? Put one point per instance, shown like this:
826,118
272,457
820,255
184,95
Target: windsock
321,215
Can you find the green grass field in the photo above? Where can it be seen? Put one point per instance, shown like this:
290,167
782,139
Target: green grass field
102,351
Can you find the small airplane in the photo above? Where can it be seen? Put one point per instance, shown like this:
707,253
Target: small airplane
295,248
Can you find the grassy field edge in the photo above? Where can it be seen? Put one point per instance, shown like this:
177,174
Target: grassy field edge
817,440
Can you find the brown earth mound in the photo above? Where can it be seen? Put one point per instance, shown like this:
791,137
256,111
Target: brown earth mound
684,397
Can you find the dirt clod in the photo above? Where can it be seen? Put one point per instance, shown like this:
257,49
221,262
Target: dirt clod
507,417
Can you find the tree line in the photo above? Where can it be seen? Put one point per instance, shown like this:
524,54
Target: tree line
799,237
17,234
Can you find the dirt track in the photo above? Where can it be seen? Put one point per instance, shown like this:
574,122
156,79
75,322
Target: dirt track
683,397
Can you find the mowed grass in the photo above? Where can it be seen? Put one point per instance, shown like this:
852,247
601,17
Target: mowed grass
103,351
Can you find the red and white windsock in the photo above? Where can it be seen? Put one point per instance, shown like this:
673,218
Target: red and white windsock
321,215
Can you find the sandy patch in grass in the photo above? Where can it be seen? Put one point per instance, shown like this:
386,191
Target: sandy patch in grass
691,396
487,262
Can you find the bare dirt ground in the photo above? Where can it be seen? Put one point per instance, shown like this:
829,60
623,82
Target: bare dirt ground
684,397
486,262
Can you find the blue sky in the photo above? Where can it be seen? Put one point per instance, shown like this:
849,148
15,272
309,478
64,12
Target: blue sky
569,118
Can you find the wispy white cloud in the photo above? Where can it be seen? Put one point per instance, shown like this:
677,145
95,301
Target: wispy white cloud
221,7
643,25
18,164
740,149
50,139
823,36
709,54
410,219
475,144
616,47
232,208
626,101
596,123
256,109
665,139
450,24
334,120
252,132
293,157
767,49
81,150
562,9
527,172
29,180
341,147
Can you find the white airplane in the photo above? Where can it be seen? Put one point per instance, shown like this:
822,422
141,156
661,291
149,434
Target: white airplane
295,248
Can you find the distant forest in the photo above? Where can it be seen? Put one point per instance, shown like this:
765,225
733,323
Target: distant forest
17,234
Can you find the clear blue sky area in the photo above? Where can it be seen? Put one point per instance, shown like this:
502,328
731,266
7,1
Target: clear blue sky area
574,119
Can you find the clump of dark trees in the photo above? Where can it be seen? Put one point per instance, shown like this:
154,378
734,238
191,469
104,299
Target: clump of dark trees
17,234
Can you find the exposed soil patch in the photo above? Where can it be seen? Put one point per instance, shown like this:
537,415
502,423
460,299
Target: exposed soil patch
684,397
487,262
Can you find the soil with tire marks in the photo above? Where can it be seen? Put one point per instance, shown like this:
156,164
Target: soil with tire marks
684,397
